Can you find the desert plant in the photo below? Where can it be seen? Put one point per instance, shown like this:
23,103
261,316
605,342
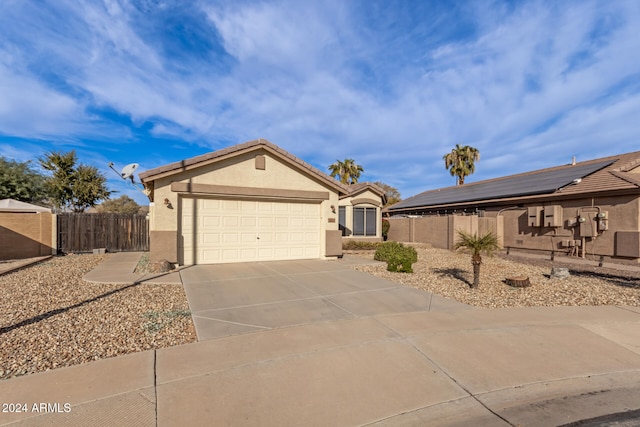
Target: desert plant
476,246
401,263
387,249
399,258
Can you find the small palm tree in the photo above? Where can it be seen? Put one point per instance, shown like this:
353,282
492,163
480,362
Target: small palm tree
347,171
477,245
461,162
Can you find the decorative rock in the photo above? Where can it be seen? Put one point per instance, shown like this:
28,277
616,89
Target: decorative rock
162,266
518,281
560,273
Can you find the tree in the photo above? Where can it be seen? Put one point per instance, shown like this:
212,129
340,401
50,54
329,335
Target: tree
461,162
477,245
123,204
347,171
19,181
392,193
70,186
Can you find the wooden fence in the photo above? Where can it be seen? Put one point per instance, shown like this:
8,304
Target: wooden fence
116,232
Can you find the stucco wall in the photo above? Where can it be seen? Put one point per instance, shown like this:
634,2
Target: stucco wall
439,231
240,172
364,199
622,213
26,235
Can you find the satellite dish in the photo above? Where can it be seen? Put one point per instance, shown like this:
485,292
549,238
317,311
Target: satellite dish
127,171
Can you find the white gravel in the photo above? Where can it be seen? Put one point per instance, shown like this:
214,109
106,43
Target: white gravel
50,317
448,274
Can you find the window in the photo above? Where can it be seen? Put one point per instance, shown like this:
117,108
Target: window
365,221
342,219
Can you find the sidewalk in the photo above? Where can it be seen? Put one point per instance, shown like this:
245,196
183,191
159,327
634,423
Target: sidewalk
119,269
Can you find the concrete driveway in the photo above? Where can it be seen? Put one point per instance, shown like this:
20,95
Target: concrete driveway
230,299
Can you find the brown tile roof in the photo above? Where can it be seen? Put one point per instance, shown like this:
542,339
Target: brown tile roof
215,156
607,174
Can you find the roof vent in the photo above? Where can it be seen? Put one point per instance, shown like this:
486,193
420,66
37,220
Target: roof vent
573,160
577,180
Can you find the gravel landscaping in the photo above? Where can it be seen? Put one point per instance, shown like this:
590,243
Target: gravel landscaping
448,274
51,318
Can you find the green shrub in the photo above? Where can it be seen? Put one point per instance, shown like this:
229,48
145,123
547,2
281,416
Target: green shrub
354,245
399,258
400,264
387,249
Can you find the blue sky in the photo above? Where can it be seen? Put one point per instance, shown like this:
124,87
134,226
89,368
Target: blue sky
392,84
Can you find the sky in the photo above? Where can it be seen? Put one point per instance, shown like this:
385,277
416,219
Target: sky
393,84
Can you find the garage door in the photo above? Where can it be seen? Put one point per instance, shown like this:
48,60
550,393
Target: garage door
220,230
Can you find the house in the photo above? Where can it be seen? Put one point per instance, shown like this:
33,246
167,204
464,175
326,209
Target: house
254,202
26,230
589,208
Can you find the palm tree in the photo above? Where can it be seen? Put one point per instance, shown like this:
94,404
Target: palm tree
461,162
477,245
347,171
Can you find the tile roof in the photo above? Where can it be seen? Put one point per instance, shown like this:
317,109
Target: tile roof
604,174
214,156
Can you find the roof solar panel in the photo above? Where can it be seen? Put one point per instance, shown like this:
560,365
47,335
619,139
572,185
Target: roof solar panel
542,182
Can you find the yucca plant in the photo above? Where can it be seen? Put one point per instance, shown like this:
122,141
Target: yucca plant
477,246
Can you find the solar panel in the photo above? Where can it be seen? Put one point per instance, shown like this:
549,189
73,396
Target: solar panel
542,182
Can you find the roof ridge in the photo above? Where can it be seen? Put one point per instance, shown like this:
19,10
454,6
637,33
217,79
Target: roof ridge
260,142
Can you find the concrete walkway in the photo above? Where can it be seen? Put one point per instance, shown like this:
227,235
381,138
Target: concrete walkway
119,269
518,366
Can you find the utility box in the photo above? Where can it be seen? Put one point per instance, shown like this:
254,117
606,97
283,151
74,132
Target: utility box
553,216
589,227
628,244
534,215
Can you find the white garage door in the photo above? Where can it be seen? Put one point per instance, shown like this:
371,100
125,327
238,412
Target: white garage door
220,230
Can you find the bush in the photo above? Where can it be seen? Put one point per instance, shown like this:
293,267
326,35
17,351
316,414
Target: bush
399,258
354,245
400,264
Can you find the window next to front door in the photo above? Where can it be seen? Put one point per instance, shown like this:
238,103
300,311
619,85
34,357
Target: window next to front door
342,219
365,221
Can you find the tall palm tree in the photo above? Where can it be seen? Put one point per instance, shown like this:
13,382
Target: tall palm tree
461,162
477,245
347,171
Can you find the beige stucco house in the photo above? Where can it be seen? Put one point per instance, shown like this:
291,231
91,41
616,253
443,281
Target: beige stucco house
254,202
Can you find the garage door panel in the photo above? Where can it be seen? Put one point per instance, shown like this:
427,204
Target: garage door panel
266,238
210,238
230,238
211,221
281,222
248,238
230,221
240,230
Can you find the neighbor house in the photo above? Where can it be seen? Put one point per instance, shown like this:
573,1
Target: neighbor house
254,202
26,230
589,208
